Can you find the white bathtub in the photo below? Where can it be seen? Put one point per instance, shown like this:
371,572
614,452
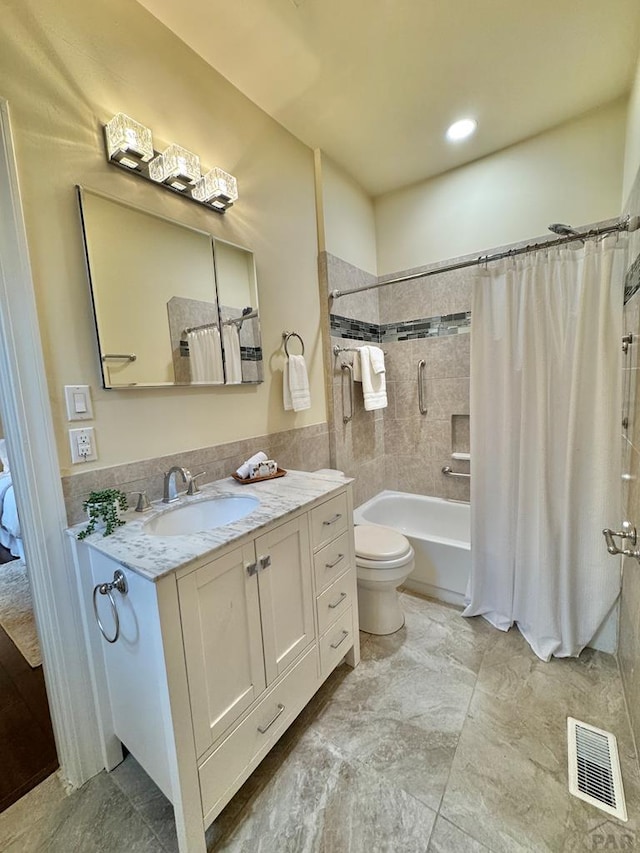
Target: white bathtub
439,531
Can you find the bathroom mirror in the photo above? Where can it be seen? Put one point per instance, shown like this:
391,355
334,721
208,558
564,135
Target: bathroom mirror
154,287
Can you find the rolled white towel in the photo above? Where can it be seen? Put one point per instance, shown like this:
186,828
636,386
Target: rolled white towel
245,469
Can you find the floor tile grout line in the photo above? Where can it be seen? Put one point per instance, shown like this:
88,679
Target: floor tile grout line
466,718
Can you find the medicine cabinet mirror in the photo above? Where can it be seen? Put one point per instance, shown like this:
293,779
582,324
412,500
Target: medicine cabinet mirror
172,304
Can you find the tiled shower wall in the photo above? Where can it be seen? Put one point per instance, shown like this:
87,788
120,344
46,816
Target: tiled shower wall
397,447
629,629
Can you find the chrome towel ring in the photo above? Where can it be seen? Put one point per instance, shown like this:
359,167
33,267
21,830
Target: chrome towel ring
285,338
120,583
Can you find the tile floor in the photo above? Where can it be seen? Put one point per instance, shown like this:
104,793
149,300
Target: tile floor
448,738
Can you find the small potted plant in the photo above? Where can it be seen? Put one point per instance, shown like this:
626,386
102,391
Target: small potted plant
103,508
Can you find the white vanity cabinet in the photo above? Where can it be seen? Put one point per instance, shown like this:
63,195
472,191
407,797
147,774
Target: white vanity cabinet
216,658
245,618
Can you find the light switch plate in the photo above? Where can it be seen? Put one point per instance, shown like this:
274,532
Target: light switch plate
78,400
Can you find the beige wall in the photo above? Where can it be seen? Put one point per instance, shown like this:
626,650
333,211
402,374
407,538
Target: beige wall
632,147
347,225
569,174
65,69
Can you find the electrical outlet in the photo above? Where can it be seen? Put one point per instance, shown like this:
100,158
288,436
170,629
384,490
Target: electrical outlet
83,445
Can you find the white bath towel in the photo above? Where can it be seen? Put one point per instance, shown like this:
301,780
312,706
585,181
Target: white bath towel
232,359
295,384
369,368
245,469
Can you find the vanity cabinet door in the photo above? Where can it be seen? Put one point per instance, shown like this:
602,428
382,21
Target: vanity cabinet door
286,595
220,615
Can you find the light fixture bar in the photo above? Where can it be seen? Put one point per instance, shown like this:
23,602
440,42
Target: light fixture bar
129,145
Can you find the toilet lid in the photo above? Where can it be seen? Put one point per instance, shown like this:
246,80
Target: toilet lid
380,543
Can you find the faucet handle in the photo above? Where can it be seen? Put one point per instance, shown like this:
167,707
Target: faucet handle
143,502
193,487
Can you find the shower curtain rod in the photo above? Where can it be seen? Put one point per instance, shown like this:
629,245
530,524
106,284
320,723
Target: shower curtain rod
629,223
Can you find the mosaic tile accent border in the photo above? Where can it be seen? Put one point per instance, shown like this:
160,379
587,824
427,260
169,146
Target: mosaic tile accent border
251,353
632,280
408,330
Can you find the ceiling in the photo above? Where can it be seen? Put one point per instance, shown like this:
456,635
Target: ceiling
375,83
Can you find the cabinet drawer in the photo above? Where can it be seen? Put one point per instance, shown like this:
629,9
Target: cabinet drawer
253,738
334,601
336,643
331,561
328,521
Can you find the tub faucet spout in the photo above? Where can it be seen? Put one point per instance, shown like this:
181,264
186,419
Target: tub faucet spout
170,491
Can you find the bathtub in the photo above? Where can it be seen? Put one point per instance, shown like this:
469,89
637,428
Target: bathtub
439,531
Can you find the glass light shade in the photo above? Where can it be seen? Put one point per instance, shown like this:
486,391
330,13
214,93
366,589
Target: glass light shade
218,188
176,167
128,141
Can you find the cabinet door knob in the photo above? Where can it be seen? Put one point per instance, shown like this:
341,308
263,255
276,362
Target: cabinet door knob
264,561
252,569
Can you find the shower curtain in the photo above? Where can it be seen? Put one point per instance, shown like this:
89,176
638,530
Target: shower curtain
545,443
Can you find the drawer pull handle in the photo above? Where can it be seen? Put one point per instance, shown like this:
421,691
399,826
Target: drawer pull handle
333,520
335,562
264,729
333,606
344,636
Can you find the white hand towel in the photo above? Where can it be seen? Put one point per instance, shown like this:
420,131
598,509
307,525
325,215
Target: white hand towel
295,384
374,384
233,362
244,470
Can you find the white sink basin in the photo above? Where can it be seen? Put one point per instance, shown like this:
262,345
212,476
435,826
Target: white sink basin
201,515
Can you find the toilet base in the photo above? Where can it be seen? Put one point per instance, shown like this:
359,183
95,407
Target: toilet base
379,611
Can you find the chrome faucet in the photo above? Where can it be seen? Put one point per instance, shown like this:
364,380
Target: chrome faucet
170,491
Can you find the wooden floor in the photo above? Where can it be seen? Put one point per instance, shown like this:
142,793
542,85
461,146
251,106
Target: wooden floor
27,749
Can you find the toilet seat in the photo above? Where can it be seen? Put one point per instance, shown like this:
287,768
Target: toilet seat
380,548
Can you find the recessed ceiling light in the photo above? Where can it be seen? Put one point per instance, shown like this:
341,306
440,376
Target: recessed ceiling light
461,129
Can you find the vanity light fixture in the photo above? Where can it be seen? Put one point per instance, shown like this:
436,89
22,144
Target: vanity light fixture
176,167
128,142
130,146
217,188
460,130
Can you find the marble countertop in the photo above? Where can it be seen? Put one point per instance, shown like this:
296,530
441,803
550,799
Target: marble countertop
155,556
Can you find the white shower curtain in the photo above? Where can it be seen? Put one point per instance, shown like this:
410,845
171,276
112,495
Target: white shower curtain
205,353
545,443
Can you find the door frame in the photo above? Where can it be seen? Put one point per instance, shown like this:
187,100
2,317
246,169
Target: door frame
28,425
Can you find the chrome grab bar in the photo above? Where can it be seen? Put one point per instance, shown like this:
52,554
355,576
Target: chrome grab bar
119,582
421,366
349,369
628,532
449,473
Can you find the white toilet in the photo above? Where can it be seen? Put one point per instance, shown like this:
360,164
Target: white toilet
384,560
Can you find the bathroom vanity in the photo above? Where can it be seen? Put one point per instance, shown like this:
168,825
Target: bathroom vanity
223,635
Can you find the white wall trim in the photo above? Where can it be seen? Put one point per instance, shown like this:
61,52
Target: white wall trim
31,445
